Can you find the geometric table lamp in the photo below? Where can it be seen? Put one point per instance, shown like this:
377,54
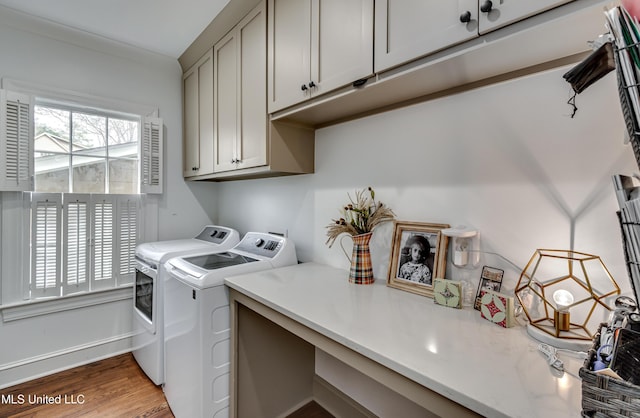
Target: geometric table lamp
562,293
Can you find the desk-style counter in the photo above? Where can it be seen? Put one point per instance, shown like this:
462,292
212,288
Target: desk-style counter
451,362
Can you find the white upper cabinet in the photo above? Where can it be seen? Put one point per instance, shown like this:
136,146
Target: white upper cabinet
497,13
316,46
240,116
407,29
198,118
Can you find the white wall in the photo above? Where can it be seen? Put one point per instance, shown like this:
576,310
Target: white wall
52,56
506,159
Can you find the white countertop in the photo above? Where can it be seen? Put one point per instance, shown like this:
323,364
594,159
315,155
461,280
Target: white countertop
489,369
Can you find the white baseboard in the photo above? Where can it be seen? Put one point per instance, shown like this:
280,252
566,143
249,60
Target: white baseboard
49,363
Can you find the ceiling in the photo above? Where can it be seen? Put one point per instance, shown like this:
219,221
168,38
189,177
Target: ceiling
166,27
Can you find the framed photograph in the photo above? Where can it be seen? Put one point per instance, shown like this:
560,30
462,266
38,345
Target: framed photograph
418,256
490,280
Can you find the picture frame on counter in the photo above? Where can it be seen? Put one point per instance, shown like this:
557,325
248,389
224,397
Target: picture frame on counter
490,279
418,256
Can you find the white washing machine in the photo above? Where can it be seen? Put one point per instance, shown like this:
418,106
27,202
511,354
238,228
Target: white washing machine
197,328
148,300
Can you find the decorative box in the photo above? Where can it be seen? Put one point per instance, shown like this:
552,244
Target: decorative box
497,308
447,293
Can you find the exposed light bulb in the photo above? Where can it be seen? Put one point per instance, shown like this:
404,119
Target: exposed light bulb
562,298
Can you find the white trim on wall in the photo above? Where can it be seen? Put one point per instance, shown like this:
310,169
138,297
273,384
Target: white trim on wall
37,307
76,37
54,94
69,350
49,363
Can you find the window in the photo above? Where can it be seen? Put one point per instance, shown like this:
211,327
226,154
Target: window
81,169
84,151
95,146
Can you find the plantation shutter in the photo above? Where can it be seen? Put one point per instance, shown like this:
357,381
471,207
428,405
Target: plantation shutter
76,243
103,220
151,156
46,213
128,224
16,144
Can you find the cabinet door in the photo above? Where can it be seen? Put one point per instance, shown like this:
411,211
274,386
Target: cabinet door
504,12
191,150
341,43
289,41
226,103
251,147
408,29
198,118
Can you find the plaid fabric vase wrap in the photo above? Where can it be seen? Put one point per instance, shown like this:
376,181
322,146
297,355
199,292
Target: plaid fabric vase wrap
361,271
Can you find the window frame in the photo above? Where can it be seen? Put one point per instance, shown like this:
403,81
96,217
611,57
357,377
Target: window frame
54,95
151,144
107,157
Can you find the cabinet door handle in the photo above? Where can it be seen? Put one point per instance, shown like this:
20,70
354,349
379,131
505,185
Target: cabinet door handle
465,17
486,6
312,84
303,87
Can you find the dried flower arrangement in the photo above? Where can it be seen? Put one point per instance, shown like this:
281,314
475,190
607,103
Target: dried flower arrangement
360,216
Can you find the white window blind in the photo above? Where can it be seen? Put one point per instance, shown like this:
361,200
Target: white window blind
46,222
128,210
151,155
103,242
76,244
16,141
82,242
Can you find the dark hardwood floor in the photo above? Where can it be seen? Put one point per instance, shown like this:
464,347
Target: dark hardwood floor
115,387
311,410
111,388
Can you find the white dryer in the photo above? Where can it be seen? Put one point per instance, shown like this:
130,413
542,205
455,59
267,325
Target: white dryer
197,328
148,300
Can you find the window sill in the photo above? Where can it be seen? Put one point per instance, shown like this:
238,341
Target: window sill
33,308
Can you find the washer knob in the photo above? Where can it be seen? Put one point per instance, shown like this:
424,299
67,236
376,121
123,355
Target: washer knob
259,242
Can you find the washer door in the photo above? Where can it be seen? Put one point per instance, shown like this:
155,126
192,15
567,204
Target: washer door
145,298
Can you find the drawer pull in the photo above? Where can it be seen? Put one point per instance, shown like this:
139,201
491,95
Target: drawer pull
465,17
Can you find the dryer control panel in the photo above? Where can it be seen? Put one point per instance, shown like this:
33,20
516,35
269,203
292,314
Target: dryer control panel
265,245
